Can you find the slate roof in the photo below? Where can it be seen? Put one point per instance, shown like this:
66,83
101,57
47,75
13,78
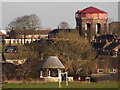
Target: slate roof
108,37
109,47
112,45
35,32
91,9
51,62
39,32
99,45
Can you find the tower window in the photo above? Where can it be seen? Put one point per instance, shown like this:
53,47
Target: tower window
100,71
98,28
87,26
112,70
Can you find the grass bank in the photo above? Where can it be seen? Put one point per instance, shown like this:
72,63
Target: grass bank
55,85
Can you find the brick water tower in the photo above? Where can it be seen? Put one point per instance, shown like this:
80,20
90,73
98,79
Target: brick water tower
91,22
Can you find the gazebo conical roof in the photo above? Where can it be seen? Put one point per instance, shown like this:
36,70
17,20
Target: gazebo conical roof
51,62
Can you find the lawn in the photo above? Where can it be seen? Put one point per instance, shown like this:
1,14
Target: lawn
55,85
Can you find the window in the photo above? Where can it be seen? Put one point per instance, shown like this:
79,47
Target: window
87,26
98,28
112,70
100,71
14,41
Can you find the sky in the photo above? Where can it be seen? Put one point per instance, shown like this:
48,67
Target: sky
52,13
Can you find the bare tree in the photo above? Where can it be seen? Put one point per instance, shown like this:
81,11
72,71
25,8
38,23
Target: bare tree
110,20
75,53
21,26
26,22
63,25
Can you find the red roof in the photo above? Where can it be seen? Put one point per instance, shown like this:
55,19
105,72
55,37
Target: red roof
79,11
91,10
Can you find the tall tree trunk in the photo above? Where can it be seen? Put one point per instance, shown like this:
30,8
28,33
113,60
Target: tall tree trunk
21,39
24,38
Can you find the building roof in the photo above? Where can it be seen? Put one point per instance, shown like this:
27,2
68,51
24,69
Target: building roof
99,45
91,10
34,32
51,62
39,32
112,45
107,36
109,47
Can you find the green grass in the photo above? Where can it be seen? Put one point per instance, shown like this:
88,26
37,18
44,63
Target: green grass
55,85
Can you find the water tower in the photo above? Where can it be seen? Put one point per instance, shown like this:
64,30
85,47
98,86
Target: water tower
91,22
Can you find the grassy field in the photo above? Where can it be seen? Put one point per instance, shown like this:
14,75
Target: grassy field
55,85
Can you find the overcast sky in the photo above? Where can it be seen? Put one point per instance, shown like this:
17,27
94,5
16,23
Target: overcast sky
52,13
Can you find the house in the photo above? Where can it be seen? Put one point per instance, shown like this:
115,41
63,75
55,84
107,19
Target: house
16,62
107,68
28,37
7,58
107,64
99,47
53,33
29,34
107,45
113,48
107,48
11,49
106,37
36,34
14,58
114,28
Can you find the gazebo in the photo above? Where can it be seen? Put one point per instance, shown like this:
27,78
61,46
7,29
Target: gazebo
49,65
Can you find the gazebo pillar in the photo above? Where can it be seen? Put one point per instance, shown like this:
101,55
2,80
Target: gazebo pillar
59,75
41,73
48,73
